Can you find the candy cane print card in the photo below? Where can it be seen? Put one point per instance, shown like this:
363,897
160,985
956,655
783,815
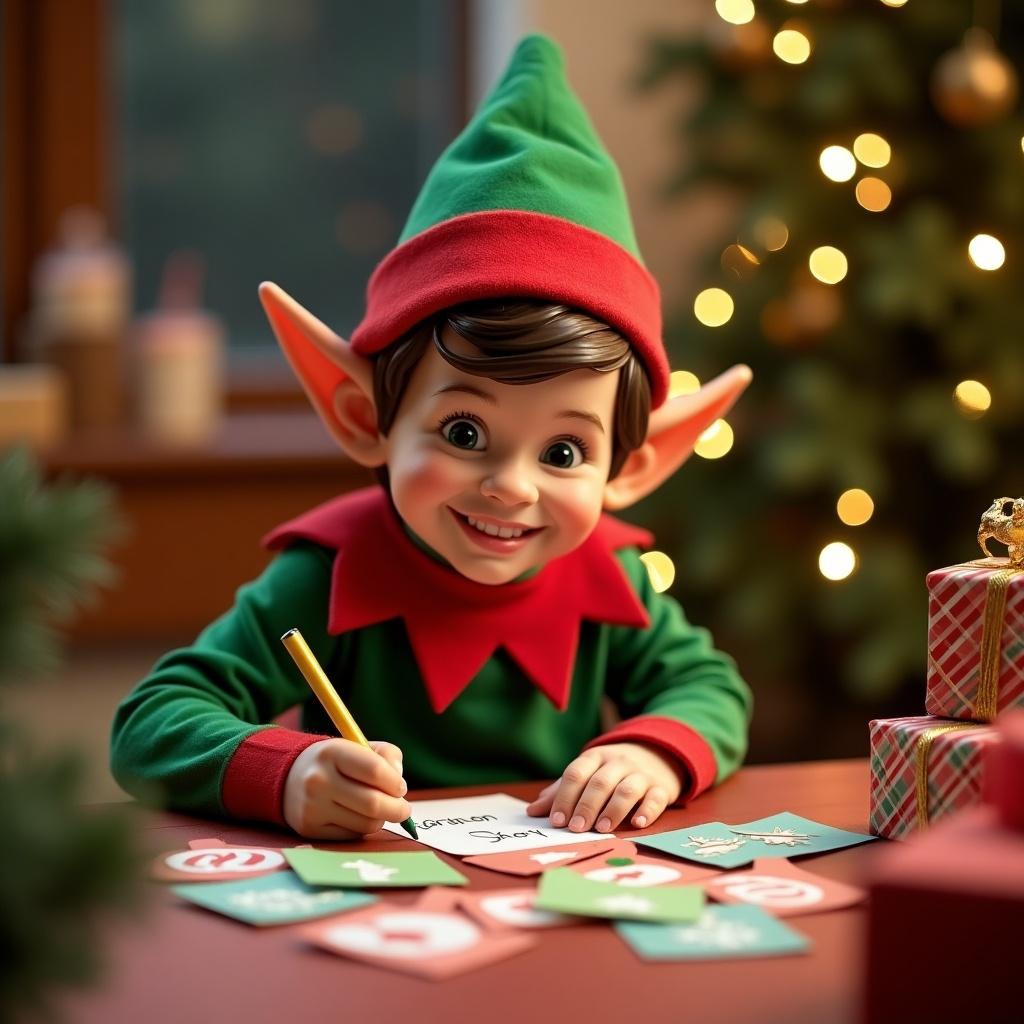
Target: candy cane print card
430,943
213,860
638,872
493,823
781,888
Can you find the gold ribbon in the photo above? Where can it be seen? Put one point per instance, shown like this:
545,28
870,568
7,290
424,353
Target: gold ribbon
923,749
985,704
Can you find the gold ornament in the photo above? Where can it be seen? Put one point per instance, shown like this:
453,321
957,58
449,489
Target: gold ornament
974,83
1003,521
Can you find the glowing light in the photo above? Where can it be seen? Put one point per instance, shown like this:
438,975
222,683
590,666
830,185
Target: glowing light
713,307
736,12
660,569
873,194
682,382
836,561
771,233
792,46
715,442
972,398
739,260
895,3
986,252
855,507
828,264
837,163
872,150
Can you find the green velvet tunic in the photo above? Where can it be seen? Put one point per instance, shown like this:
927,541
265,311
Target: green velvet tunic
175,734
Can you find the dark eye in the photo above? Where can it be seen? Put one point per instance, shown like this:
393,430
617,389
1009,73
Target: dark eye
563,454
463,434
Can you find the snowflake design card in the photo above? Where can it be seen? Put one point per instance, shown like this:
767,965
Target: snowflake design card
492,823
733,846
357,870
278,898
213,860
721,933
427,939
781,888
562,889
533,862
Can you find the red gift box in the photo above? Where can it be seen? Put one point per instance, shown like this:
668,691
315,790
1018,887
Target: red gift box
923,769
975,640
946,909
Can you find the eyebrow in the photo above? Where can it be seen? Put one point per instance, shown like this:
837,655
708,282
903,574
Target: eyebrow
469,389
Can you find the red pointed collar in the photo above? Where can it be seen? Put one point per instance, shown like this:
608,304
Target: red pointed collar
455,624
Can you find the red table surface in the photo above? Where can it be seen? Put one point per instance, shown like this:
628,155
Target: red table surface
180,963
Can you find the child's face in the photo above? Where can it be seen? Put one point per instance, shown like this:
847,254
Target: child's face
528,460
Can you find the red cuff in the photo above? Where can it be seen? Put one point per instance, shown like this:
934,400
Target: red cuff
253,786
681,741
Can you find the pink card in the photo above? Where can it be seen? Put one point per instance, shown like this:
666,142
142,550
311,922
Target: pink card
511,908
781,888
629,869
533,862
431,943
213,860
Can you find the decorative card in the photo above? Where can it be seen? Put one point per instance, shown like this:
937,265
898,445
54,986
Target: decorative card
533,862
213,860
493,823
511,908
721,933
430,943
357,870
638,871
278,898
733,846
562,889
781,888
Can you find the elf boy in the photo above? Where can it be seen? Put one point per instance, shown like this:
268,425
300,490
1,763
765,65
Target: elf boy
477,607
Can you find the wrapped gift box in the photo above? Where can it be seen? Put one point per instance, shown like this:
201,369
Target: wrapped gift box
923,769
975,640
966,878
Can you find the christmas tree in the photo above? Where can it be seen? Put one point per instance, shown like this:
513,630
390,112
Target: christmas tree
62,866
872,151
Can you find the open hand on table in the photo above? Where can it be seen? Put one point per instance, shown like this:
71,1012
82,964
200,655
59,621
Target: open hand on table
606,783
337,789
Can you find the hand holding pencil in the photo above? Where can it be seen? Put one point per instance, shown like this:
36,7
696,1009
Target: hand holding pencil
341,788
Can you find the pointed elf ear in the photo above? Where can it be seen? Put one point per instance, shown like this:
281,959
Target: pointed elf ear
671,434
339,382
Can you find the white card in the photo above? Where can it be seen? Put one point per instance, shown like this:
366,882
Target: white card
493,823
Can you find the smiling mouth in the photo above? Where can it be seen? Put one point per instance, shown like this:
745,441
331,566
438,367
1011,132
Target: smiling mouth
492,530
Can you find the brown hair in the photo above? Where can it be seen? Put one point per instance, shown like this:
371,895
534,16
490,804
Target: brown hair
522,341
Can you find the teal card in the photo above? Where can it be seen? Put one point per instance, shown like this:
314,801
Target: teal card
570,893
372,870
732,846
721,933
278,898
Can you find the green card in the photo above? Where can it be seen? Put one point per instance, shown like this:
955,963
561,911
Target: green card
278,898
565,890
372,870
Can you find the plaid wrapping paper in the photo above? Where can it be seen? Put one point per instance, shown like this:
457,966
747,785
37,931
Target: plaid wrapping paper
952,771
957,598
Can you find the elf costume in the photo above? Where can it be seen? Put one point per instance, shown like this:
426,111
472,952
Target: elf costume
477,684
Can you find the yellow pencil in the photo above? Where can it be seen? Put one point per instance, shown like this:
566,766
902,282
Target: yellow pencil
328,696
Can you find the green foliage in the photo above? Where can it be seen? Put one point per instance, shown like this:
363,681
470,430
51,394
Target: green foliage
62,867
866,400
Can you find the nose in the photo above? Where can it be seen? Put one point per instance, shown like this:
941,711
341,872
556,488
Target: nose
511,483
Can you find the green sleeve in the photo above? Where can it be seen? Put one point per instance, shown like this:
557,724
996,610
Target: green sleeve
673,670
174,735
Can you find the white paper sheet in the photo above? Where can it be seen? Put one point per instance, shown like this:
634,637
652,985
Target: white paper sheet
493,823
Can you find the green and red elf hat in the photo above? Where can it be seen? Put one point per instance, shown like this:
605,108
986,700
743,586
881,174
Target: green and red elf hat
525,202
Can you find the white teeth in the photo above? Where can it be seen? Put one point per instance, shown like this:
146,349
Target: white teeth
504,532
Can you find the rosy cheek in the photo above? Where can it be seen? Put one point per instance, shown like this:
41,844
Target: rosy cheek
423,482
